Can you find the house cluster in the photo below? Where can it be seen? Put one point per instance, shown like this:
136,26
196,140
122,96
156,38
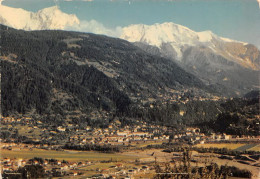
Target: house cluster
176,96
115,135
51,166
191,135
221,137
21,146
194,136
6,120
183,96
54,167
121,171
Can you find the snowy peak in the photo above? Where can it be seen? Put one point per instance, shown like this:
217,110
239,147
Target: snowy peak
48,18
177,35
56,19
173,40
205,36
163,33
220,62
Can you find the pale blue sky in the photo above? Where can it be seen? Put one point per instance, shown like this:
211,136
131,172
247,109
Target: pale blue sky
236,19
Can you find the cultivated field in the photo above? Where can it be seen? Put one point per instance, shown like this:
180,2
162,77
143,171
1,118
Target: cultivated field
142,144
65,155
232,146
255,148
29,131
128,158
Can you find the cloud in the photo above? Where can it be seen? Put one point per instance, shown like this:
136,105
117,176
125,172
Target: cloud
96,27
258,3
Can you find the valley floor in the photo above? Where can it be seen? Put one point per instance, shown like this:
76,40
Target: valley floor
131,163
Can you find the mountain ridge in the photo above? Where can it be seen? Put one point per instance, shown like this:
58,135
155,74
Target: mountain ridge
47,18
231,66
70,70
179,37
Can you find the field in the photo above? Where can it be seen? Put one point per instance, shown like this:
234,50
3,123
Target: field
255,148
29,131
141,144
144,156
231,146
246,147
64,155
92,169
221,145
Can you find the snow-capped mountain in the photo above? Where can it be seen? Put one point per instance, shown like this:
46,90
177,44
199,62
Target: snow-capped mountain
48,18
178,36
173,40
227,64
231,66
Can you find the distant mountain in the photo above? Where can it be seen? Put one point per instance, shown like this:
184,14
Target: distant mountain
62,72
48,18
231,66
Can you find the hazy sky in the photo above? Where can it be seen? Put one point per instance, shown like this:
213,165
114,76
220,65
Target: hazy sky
235,19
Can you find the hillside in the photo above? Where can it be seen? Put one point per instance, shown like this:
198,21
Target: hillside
59,72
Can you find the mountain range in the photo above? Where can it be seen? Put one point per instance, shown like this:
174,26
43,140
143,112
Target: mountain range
229,65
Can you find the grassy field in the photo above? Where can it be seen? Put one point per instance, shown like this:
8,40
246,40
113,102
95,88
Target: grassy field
246,147
223,145
147,143
92,169
255,148
101,166
238,147
29,131
65,155
146,175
